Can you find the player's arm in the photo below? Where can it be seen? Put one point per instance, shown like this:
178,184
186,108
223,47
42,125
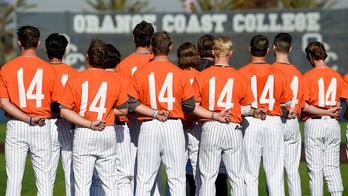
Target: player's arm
314,110
76,119
18,114
190,106
121,110
135,106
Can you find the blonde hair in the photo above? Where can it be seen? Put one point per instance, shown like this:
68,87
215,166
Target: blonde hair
222,46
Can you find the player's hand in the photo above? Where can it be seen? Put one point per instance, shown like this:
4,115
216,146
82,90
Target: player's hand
224,116
162,115
260,113
292,114
97,125
334,111
38,120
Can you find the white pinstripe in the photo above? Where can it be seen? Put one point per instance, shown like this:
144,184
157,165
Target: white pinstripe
192,138
263,139
161,141
292,155
322,150
94,149
21,138
221,141
62,137
125,170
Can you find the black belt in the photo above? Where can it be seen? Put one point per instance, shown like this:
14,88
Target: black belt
117,122
322,117
167,119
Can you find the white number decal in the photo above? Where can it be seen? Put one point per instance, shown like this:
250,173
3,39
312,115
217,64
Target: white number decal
225,93
35,84
134,69
167,87
100,98
294,89
64,79
268,91
327,98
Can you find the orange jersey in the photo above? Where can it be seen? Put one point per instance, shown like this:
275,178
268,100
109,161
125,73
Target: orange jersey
124,86
269,87
30,84
131,63
323,87
93,94
295,80
161,85
218,88
64,72
191,73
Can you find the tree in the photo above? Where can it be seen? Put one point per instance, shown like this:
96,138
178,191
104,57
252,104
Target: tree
228,5
119,5
6,30
308,4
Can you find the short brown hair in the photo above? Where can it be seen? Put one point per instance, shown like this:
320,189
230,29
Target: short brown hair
97,53
187,56
316,50
161,43
205,45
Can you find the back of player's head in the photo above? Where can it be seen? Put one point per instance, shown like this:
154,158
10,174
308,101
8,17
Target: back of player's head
282,42
222,46
114,57
161,43
29,36
97,53
142,34
316,50
187,56
205,45
259,46
55,45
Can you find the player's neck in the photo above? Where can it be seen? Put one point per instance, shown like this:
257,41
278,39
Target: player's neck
143,50
256,59
110,70
28,53
161,58
282,58
55,61
320,64
223,62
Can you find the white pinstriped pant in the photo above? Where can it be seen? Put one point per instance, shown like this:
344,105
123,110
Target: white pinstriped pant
124,168
264,140
62,137
292,155
221,141
161,141
21,138
322,150
94,149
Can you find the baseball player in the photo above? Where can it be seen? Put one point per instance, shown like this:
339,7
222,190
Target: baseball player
292,136
61,129
346,113
142,54
125,170
217,88
92,99
27,88
160,96
263,139
323,88
187,61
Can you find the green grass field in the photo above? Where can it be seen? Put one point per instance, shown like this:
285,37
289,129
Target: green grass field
29,188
